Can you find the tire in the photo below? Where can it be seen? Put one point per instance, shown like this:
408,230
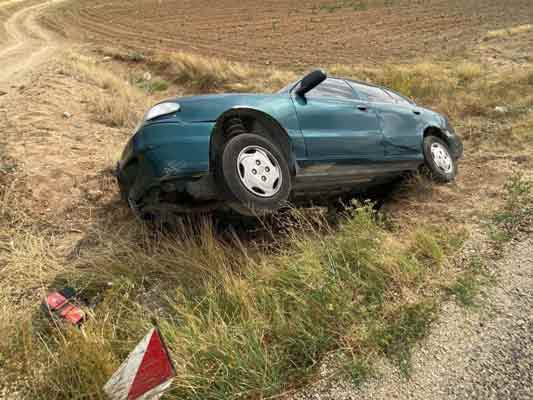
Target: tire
441,166
255,175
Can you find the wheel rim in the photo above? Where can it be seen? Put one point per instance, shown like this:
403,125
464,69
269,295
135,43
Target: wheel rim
441,157
259,171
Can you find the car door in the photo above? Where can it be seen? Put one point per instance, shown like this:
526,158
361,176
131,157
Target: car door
400,120
338,129
402,128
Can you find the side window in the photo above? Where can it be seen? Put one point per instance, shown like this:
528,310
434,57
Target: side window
372,93
332,87
399,99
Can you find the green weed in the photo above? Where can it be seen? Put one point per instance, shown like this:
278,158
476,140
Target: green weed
518,209
153,85
465,289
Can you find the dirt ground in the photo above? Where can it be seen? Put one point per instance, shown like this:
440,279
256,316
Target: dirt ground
26,44
49,148
64,158
288,33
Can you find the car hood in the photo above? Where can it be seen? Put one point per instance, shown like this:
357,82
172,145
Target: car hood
206,108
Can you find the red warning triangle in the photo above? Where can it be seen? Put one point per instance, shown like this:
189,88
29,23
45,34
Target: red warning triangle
146,374
155,368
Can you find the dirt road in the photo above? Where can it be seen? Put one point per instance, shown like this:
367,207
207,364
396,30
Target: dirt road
56,147
28,44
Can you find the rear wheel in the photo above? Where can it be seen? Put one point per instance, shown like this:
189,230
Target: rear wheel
255,174
439,161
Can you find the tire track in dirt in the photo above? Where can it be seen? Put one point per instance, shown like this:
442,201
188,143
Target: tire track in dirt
28,44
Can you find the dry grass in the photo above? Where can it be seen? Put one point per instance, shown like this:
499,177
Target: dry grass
117,102
465,91
468,72
211,74
508,32
196,73
122,97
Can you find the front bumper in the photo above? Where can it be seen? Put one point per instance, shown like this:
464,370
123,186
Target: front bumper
163,152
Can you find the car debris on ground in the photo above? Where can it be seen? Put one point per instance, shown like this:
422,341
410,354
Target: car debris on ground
61,304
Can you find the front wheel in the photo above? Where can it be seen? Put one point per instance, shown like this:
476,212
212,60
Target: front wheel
441,165
255,174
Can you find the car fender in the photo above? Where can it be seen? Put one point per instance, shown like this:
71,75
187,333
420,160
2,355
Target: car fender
282,120
210,108
437,125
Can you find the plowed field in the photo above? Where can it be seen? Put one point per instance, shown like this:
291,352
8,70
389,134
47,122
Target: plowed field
287,32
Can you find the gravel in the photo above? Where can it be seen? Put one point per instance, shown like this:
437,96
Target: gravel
472,353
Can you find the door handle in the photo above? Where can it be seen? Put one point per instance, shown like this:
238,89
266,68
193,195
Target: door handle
416,112
362,108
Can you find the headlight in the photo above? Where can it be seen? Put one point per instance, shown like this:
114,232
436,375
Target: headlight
161,109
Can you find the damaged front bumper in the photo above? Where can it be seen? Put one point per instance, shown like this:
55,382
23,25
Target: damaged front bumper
167,163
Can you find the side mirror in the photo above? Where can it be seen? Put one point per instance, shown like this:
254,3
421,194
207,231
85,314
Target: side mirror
310,81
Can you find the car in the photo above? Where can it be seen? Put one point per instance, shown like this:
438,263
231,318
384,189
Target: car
319,137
